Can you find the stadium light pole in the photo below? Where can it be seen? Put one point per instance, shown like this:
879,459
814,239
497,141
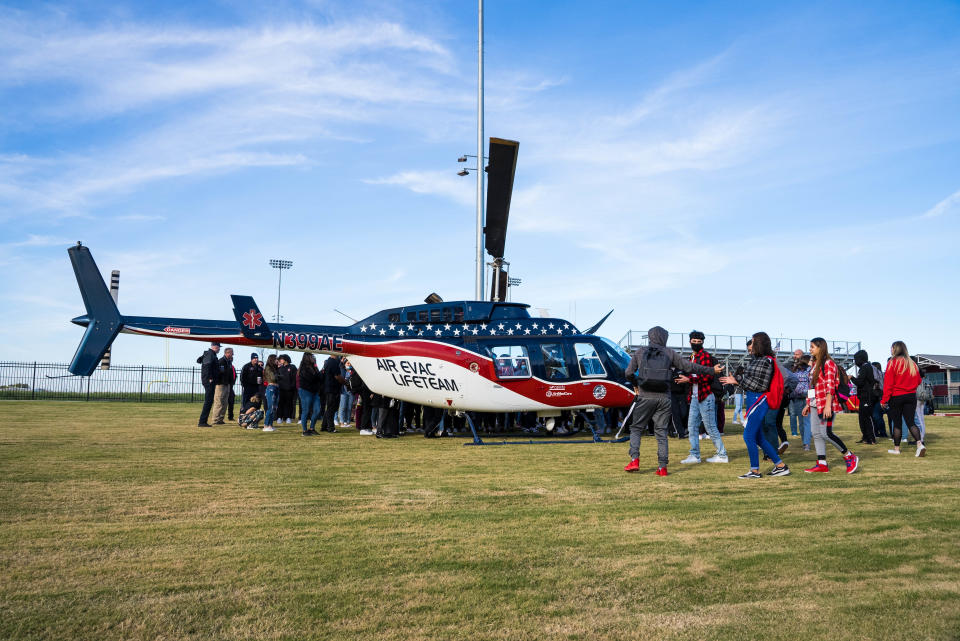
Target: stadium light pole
480,172
280,265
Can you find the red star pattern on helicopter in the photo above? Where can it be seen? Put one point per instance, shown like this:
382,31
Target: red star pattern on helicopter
252,319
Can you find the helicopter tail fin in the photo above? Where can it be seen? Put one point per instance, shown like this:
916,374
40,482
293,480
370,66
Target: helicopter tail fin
103,320
248,315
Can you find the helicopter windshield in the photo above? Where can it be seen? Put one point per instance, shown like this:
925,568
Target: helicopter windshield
617,353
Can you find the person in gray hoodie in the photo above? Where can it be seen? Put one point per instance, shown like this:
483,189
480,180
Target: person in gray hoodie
650,372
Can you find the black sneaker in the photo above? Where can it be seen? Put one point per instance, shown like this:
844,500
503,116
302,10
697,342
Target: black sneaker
204,425
751,475
779,471
307,433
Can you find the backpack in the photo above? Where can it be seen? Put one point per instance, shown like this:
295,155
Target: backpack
790,380
877,382
775,393
924,392
843,388
653,375
803,383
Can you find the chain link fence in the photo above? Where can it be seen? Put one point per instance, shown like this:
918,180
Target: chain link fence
139,383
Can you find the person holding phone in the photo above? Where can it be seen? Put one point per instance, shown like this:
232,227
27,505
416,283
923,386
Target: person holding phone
822,405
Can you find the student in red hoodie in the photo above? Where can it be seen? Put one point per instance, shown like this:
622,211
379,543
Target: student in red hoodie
900,383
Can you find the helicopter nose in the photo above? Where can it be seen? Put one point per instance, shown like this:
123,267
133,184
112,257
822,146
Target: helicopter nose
82,321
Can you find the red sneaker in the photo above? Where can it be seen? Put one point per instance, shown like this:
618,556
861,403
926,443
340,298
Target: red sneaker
632,466
661,471
819,467
852,461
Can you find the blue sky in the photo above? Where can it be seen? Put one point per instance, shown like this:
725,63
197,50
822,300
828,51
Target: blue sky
731,168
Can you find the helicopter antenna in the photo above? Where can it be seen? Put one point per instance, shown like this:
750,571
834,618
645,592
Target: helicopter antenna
346,315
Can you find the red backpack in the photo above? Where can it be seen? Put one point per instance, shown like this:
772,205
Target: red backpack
775,393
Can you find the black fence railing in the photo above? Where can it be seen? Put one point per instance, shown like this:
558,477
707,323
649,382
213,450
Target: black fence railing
137,383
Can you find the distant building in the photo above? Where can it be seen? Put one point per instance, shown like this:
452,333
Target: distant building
943,372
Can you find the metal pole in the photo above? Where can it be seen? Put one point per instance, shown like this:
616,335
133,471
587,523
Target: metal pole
279,280
33,385
480,166
141,383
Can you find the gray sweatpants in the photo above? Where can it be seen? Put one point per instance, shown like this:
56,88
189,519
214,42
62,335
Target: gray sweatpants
821,435
658,408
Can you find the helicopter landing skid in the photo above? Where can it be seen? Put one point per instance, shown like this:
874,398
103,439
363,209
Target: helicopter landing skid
591,423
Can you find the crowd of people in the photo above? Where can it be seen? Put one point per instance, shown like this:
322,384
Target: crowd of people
678,396
687,397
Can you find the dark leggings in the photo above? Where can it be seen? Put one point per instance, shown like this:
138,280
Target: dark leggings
904,408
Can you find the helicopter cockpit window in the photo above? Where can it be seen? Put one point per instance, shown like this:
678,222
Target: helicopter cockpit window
553,362
511,361
458,314
423,315
589,360
395,318
435,315
411,316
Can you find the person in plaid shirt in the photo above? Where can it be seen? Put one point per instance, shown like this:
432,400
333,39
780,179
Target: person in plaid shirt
703,404
822,405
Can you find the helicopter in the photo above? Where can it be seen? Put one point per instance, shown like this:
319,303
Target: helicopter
464,356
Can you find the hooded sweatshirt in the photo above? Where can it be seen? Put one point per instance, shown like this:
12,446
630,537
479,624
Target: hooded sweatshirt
864,379
658,336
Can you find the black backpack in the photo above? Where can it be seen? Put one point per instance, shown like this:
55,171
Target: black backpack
653,374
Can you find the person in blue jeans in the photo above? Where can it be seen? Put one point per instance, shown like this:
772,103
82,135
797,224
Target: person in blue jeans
271,393
308,387
756,379
703,404
738,406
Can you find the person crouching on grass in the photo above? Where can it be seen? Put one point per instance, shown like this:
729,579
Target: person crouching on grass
250,413
822,406
755,380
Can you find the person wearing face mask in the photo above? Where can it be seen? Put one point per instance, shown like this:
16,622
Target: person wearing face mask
702,404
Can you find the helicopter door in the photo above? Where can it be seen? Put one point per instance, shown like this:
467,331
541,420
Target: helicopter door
588,361
511,362
555,365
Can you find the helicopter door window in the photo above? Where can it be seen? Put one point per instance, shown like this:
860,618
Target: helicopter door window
411,317
555,367
435,315
511,361
423,315
458,314
589,360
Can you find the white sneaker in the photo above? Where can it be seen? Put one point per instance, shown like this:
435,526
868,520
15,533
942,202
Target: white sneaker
921,450
251,427
270,429
893,452
289,420
718,458
689,460
366,432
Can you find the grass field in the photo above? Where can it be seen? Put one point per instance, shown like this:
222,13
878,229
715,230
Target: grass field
125,521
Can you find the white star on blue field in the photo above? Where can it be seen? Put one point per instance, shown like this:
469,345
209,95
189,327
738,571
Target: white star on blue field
787,167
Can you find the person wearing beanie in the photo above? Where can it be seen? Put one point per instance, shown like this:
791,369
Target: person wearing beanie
251,377
703,404
209,375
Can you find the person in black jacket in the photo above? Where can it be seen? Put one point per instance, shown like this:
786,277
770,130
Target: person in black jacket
864,380
333,381
209,374
309,381
287,384
251,376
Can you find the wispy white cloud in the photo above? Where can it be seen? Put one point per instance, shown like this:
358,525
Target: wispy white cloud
36,240
443,183
220,100
949,205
